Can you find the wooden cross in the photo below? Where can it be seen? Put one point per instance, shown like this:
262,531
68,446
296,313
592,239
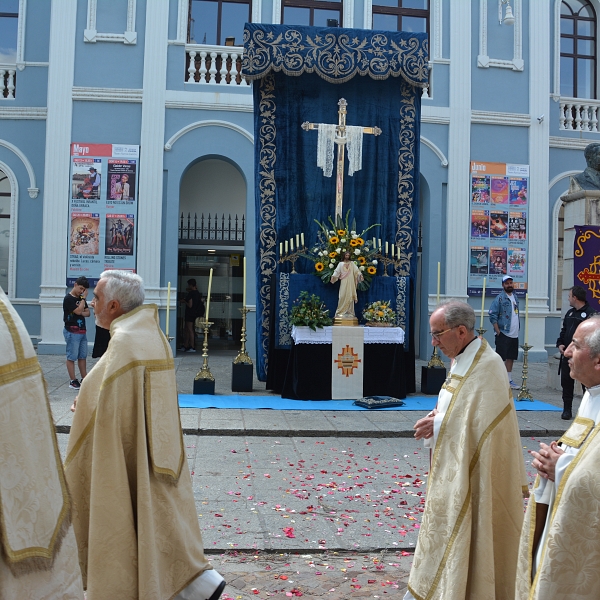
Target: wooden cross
340,141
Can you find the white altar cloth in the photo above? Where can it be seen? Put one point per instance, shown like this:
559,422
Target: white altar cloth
373,335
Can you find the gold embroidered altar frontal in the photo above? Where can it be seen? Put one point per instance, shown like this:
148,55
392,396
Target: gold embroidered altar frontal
347,366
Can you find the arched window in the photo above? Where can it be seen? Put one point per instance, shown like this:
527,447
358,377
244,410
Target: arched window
218,22
401,15
319,13
5,200
577,49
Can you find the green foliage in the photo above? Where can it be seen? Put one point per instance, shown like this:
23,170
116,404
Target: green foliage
379,312
309,311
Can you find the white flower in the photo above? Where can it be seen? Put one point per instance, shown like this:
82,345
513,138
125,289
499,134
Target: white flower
332,232
315,250
353,233
374,262
343,240
320,253
357,251
331,265
338,250
362,268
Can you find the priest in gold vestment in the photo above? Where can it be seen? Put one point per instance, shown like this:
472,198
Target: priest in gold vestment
38,552
559,555
469,535
134,512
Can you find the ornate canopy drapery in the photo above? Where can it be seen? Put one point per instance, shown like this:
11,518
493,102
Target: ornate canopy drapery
300,74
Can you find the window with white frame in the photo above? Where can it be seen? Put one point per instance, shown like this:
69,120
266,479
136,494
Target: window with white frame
5,200
401,15
218,22
9,20
578,49
319,13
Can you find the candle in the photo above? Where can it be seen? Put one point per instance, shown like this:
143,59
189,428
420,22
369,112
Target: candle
526,317
208,295
292,244
286,246
280,248
244,296
374,243
398,253
297,241
438,285
393,252
302,239
482,304
386,248
379,244
168,303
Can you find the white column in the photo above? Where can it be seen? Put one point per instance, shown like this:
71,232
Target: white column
56,172
539,156
150,215
456,260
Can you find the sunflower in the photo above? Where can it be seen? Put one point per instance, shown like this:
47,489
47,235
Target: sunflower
332,254
362,260
341,232
333,240
353,243
371,270
360,241
319,266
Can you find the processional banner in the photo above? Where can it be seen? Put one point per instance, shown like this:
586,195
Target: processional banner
586,263
300,75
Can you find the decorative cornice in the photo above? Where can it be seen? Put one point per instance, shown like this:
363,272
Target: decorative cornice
500,118
436,115
208,106
91,34
32,189
37,113
569,143
107,94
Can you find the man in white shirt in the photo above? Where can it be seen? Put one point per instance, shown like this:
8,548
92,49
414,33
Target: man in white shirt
559,555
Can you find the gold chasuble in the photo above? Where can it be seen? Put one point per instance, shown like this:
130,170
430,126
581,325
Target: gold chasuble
469,536
134,512
568,562
38,552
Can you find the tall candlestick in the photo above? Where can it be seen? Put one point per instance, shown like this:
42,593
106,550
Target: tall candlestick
526,318
280,248
168,304
244,296
292,244
208,295
482,304
286,246
393,251
297,241
386,248
438,284
302,239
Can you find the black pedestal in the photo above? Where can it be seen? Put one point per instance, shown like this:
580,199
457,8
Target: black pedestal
432,379
204,386
241,377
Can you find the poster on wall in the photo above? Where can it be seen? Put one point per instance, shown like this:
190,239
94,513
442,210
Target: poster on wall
102,210
498,227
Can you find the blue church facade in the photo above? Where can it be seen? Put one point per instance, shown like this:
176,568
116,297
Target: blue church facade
513,86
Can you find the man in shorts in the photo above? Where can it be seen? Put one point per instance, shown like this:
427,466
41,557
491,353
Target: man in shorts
504,317
75,309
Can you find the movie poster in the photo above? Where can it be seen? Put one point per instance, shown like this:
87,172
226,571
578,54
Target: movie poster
479,260
499,190
498,258
120,234
121,180
480,190
480,223
86,179
498,224
518,191
516,262
85,228
517,225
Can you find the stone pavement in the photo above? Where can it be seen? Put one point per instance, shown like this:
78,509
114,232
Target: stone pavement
323,504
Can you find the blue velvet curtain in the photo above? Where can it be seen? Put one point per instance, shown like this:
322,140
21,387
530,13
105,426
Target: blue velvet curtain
291,192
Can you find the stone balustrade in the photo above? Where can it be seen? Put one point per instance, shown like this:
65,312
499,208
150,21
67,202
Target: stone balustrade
7,81
579,114
220,65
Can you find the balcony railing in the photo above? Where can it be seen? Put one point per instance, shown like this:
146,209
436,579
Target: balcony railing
214,64
577,114
8,80
226,230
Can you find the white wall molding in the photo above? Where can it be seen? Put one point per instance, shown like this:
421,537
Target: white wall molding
177,104
347,13
107,94
208,100
560,177
276,16
92,35
34,113
436,28
21,35
483,59
63,28
32,189
13,229
568,143
182,21
500,118
199,124
438,115
436,150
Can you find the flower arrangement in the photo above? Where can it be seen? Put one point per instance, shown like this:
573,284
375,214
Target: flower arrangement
379,312
334,240
309,312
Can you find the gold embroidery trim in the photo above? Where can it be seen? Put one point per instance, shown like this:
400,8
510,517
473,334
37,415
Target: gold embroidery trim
577,432
14,332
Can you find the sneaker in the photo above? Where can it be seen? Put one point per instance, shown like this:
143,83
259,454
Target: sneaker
74,385
191,350
513,385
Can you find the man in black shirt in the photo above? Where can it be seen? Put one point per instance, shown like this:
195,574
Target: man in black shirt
75,309
194,308
580,311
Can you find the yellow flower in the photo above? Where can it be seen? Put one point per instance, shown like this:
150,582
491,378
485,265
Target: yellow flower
341,232
319,266
332,254
360,241
333,240
380,313
362,260
371,270
353,243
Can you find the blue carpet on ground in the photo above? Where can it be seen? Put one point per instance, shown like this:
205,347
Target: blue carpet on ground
421,403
